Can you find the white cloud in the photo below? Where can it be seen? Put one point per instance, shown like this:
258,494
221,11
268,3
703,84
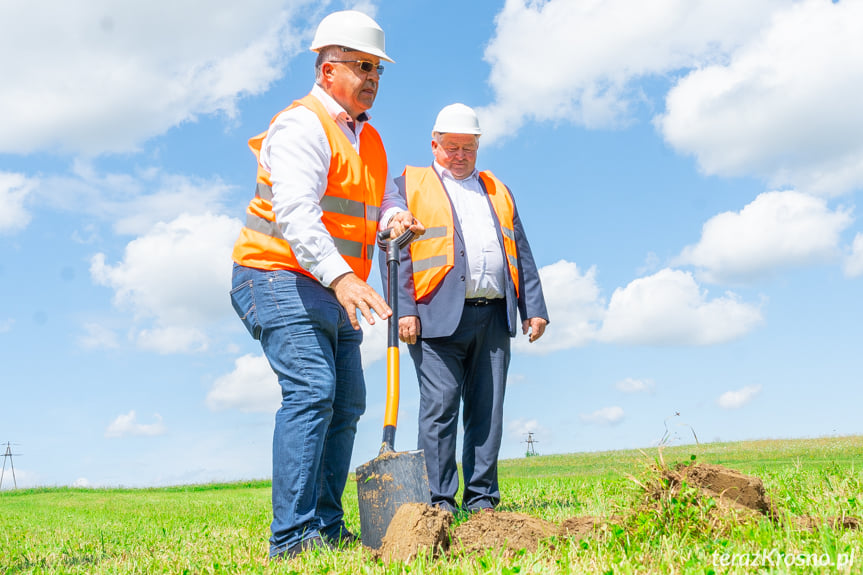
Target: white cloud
87,234
251,387
604,416
739,397
575,309
600,49
177,275
172,339
786,106
103,76
14,190
98,336
521,429
81,482
131,202
631,385
374,346
516,379
518,428
668,308
6,325
23,478
854,261
126,425
776,230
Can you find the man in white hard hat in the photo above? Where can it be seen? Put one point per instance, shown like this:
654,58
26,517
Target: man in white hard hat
462,286
300,270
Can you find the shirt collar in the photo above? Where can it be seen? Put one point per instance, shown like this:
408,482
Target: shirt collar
447,174
334,108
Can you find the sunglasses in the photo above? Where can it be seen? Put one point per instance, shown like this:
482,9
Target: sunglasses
365,65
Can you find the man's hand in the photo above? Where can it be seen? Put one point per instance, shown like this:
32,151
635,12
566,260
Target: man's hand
536,325
409,329
403,221
355,294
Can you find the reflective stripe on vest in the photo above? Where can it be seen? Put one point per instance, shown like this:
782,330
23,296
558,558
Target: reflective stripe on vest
428,262
346,247
432,254
350,205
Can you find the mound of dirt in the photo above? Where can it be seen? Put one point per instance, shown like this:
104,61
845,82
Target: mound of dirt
415,527
502,530
730,488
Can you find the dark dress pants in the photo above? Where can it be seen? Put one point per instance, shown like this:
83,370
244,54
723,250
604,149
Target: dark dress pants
469,366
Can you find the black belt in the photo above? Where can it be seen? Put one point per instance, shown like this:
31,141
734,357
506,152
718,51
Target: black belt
478,301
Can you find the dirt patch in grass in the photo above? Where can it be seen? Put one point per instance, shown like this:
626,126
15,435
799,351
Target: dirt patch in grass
809,523
502,530
417,527
580,527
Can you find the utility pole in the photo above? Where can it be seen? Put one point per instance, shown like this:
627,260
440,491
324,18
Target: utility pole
8,455
530,441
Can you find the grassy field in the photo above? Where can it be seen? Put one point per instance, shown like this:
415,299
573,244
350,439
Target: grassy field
224,528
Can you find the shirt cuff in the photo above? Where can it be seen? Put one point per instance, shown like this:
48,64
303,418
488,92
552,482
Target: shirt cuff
331,268
387,216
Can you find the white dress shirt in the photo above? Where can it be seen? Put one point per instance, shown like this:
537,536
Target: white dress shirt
483,252
296,153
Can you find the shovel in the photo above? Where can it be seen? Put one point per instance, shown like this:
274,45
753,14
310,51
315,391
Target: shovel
392,478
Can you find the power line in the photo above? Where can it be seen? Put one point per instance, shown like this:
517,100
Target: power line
530,441
8,455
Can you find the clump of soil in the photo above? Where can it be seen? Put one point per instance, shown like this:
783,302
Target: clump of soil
416,527
730,488
502,530
745,494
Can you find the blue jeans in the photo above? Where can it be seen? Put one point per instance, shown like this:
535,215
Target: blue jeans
310,344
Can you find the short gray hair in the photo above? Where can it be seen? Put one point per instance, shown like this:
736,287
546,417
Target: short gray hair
328,54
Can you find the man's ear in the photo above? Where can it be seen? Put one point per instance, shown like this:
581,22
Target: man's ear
327,69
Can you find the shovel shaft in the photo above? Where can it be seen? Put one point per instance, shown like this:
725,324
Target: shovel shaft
391,412
393,301
391,415
387,482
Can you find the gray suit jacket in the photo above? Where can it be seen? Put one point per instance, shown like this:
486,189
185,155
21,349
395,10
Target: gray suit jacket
440,311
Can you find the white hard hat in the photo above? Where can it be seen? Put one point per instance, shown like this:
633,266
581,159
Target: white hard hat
457,119
351,29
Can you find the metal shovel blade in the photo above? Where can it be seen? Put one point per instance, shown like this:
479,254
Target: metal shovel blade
393,478
386,483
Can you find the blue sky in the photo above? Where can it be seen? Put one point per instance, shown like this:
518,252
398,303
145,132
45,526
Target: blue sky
687,172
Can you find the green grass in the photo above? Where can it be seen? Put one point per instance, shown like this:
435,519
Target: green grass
224,528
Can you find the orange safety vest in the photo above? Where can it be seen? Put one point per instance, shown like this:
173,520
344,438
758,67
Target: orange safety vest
432,254
355,188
